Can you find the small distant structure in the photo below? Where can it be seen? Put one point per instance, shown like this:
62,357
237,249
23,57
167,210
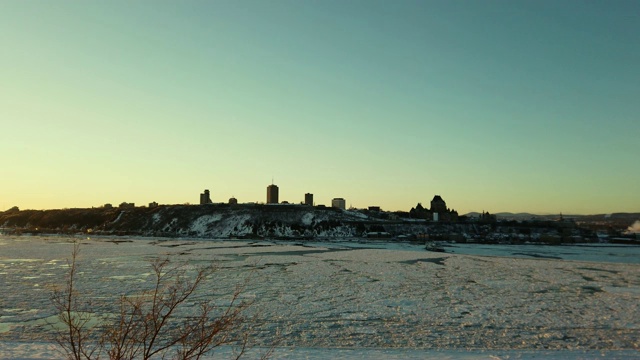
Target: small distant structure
486,217
272,194
438,211
153,204
374,208
205,198
233,201
339,203
126,205
308,199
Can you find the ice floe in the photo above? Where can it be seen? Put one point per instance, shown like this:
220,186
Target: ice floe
351,299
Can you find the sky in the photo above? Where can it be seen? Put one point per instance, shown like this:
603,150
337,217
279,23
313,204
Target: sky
518,106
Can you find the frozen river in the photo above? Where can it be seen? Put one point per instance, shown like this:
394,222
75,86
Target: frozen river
359,299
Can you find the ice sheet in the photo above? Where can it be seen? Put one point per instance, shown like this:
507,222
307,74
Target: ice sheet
362,299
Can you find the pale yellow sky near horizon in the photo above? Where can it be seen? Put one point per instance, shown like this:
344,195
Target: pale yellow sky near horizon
514,107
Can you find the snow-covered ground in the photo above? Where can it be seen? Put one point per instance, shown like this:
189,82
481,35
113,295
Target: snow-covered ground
353,300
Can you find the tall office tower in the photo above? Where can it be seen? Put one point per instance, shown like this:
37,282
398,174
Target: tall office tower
339,203
308,199
272,194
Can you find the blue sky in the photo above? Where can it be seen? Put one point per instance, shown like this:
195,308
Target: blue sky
494,105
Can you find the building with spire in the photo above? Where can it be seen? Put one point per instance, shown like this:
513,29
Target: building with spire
272,194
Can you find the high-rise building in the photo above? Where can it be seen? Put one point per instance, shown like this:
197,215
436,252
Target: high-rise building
308,199
272,194
205,198
339,203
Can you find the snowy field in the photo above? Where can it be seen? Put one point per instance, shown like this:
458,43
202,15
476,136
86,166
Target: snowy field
357,299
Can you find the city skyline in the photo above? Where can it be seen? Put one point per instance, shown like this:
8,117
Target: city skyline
272,198
526,106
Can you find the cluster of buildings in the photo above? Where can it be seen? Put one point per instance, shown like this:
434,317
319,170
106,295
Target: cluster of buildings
205,198
273,198
438,211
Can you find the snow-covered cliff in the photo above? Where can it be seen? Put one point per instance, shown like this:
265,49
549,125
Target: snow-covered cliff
206,221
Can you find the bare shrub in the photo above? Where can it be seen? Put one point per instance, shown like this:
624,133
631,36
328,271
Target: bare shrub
78,328
153,323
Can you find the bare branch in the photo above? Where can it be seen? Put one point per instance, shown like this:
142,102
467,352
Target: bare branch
76,320
152,323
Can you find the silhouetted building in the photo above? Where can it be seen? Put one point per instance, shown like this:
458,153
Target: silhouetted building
438,211
126,205
486,217
233,201
374,208
438,205
308,199
339,203
205,198
419,212
272,194
153,204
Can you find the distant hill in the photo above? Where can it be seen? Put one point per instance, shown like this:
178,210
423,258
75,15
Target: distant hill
516,216
616,220
526,216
